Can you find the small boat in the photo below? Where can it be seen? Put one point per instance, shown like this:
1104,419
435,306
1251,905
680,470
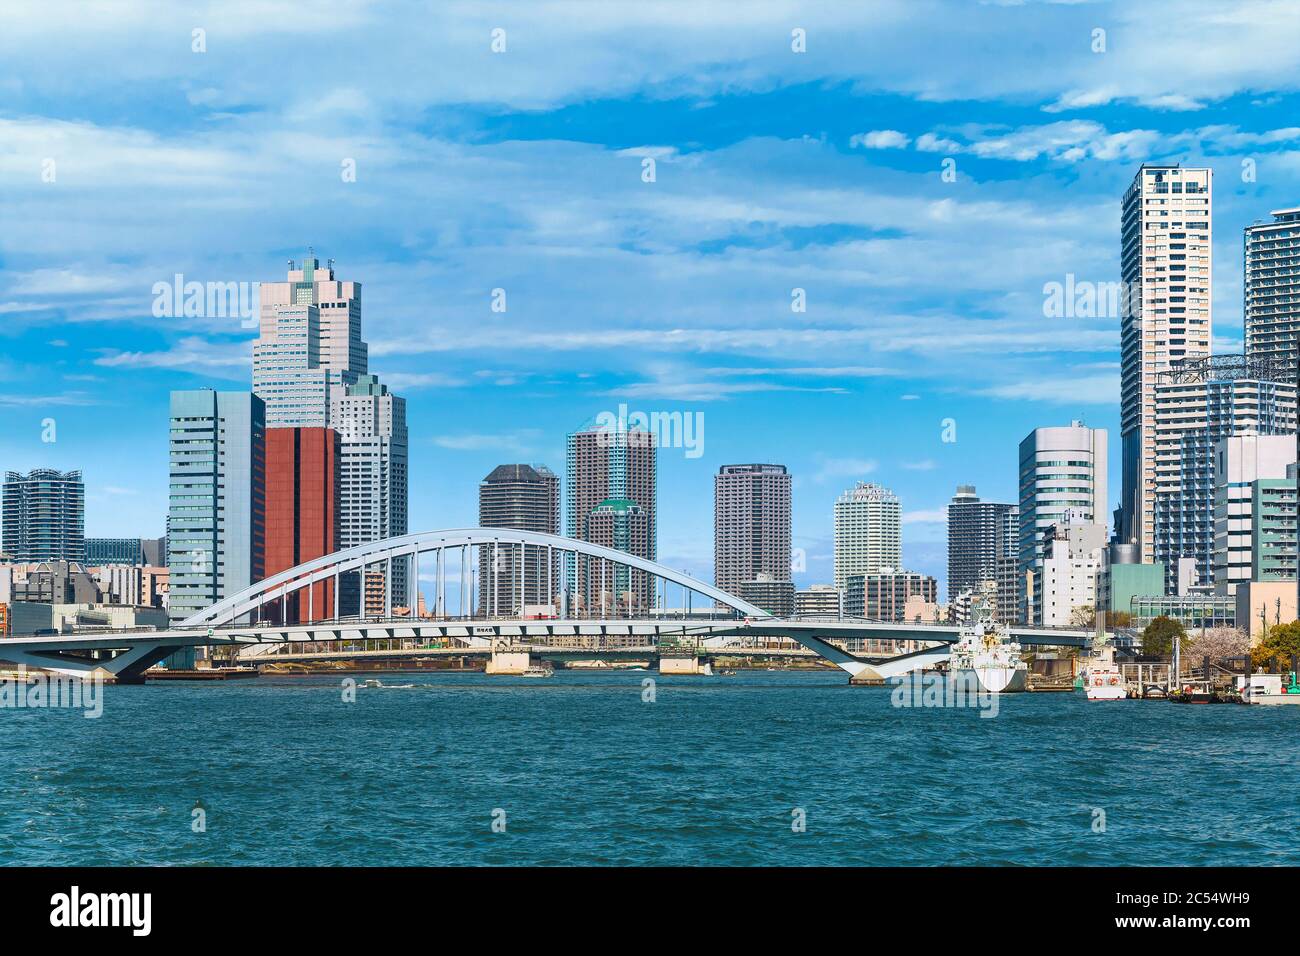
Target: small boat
373,683
1102,679
538,670
1196,692
1268,689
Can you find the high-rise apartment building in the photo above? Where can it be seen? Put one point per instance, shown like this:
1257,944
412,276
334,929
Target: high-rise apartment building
527,498
1272,288
44,516
610,495
217,504
1254,511
1063,471
751,525
1166,271
302,478
979,533
868,531
1198,403
309,341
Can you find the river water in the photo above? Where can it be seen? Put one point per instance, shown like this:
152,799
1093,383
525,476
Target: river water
758,768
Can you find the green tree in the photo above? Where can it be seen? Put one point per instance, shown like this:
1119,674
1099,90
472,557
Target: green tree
1158,637
1281,641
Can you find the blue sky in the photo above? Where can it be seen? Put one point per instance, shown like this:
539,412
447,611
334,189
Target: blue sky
522,170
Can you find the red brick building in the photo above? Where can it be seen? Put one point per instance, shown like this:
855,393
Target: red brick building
302,493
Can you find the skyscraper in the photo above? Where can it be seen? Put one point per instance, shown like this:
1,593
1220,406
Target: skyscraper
373,477
526,497
979,533
1198,403
1272,288
311,367
1166,270
217,507
751,525
302,477
613,471
1063,475
309,340
44,516
868,532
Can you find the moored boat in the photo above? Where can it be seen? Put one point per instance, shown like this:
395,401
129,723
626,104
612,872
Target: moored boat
1102,679
985,652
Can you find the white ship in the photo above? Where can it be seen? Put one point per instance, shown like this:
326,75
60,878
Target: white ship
984,650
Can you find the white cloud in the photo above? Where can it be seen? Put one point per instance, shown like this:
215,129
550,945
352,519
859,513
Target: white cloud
519,442
1067,140
932,516
190,352
880,139
1084,390
36,401
933,143
856,468
408,381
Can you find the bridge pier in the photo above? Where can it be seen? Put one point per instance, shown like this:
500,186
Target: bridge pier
867,677
685,665
508,662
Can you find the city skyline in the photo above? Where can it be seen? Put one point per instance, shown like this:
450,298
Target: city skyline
847,151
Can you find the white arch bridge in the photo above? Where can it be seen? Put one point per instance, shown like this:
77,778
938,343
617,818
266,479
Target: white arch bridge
598,597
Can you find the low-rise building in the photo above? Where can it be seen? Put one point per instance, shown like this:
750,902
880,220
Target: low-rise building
883,595
34,617
1195,609
818,600
1262,604
1123,582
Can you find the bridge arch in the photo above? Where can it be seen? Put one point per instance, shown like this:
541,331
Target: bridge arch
412,546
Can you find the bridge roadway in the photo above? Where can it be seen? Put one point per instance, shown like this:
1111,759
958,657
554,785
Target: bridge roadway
82,654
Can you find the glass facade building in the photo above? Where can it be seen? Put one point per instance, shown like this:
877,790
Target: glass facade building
217,503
